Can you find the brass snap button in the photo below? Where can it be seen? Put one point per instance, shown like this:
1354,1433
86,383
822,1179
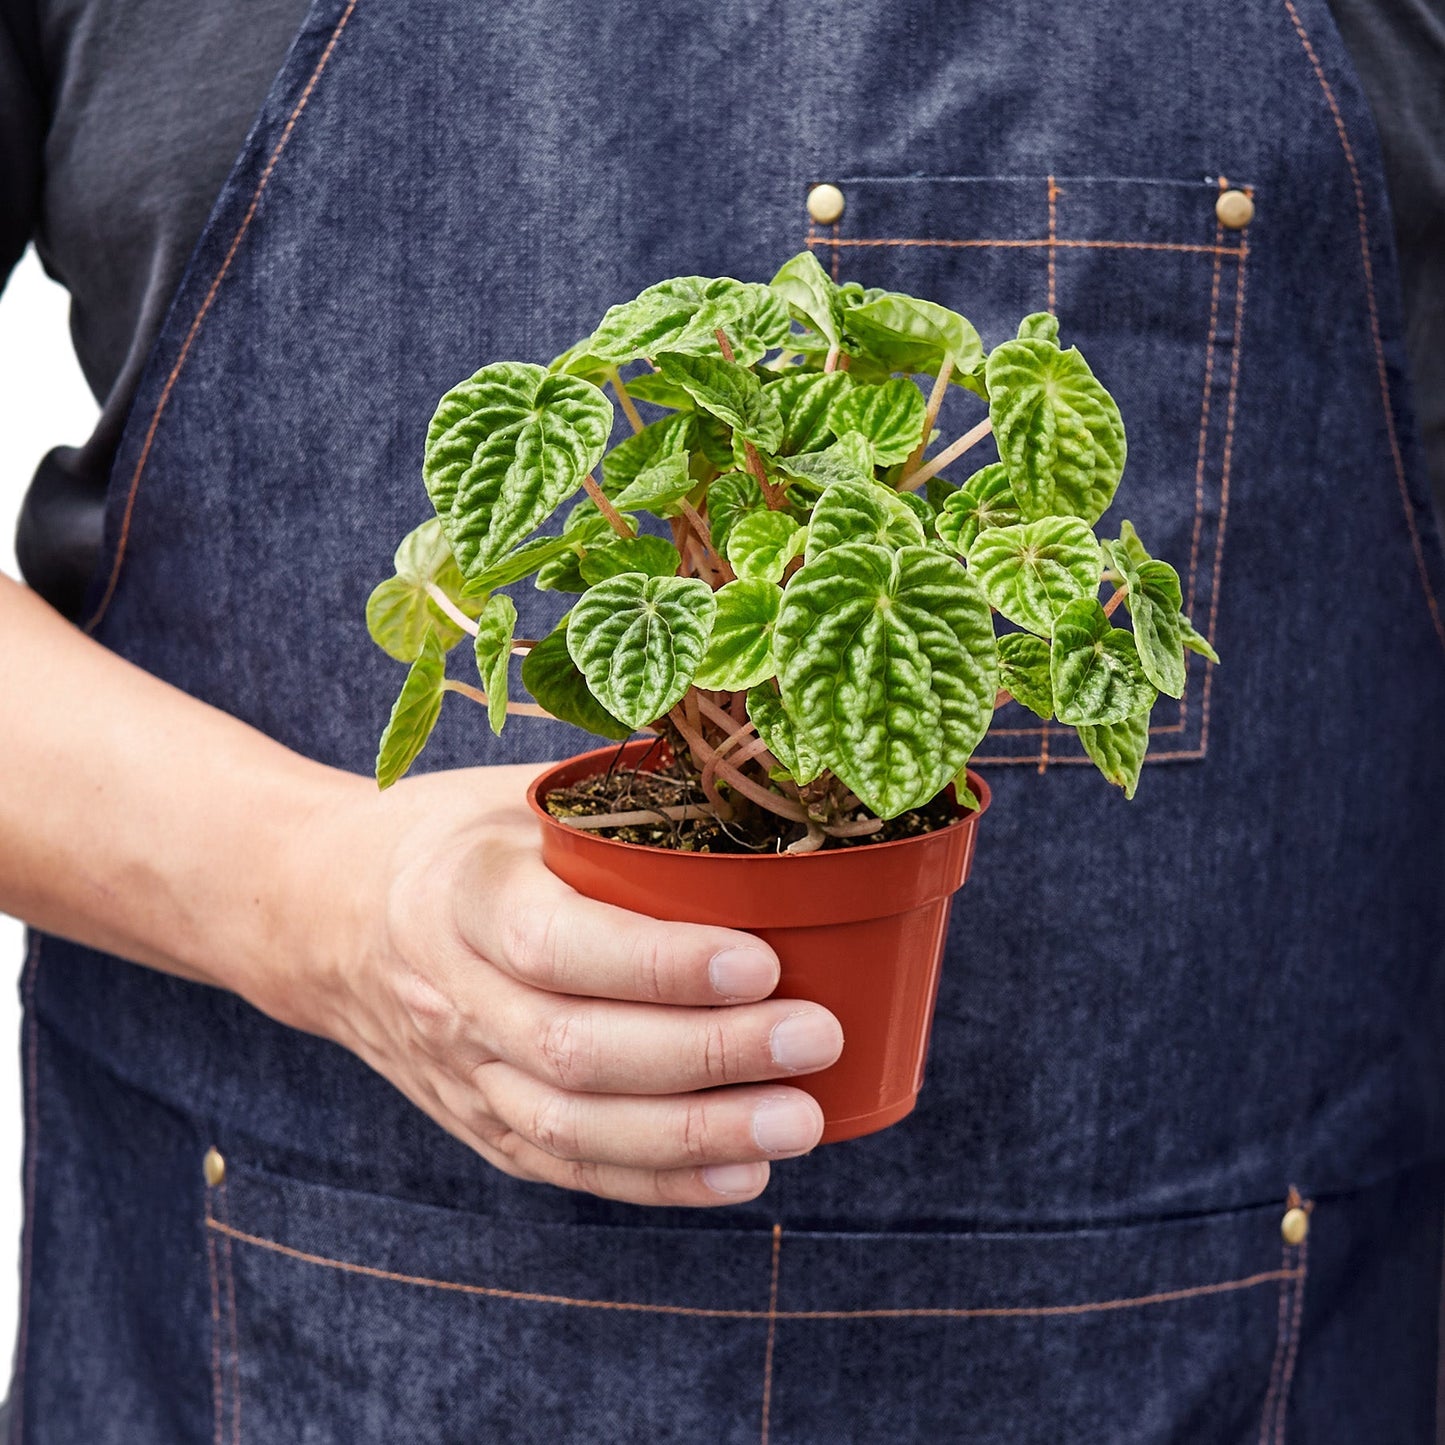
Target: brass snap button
825,204
214,1165
1234,209
1295,1225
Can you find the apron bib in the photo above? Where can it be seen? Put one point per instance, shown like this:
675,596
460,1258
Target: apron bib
1157,1020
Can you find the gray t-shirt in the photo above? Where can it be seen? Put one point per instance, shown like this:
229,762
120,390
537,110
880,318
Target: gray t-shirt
119,120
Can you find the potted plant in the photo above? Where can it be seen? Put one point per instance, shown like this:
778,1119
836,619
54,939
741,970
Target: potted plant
809,626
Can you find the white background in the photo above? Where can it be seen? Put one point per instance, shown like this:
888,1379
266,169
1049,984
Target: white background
44,402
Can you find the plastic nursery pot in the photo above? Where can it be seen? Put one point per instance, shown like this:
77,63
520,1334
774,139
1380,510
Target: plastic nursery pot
859,930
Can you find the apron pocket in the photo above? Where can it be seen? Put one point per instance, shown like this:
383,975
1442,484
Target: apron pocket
340,1317
1150,286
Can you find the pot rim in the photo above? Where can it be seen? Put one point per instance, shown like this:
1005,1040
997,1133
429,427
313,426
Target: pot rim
981,791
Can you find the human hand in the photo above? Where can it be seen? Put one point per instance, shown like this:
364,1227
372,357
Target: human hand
565,1040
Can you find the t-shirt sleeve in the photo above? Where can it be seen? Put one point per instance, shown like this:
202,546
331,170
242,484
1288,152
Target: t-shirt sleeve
22,131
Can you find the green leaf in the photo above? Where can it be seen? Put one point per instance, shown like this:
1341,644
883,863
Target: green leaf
731,496
775,727
740,652
505,449
761,544
1023,668
400,610
414,714
1095,669
1155,603
889,669
1032,571
861,512
638,641
810,295
552,678
1129,548
890,416
534,556
652,556
984,500
659,488
1057,430
1195,640
729,392
923,512
906,334
1118,749
849,459
804,400
1040,326
683,314
654,387
495,625
646,449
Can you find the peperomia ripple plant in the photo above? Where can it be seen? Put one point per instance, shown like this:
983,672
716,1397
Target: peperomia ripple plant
829,624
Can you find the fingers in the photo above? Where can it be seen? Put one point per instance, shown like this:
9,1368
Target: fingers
545,934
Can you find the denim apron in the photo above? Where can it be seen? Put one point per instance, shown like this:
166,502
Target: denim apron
1175,1174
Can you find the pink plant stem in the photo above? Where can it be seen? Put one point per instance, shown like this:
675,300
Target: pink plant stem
935,402
716,715
514,709
947,456
615,519
680,812
763,797
451,609
1002,696
830,362
719,564
860,829
625,401
1112,605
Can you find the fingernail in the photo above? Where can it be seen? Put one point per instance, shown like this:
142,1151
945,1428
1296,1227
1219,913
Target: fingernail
806,1041
743,973
785,1126
734,1178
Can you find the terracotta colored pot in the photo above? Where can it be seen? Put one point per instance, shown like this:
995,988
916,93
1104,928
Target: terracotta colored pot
859,930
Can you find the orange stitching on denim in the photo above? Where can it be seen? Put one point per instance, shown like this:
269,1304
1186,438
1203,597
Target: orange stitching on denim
772,1334
1172,1296
200,316
1302,1253
1361,217
217,1387
1053,248
837,258
1277,1364
235,1341
32,1149
1236,251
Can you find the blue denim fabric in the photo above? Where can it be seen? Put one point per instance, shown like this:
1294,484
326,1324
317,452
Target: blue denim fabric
1155,1018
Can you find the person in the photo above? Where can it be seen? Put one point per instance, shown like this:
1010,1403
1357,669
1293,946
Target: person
346,1120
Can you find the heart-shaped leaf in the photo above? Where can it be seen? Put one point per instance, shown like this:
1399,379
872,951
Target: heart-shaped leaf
889,415
400,610
804,400
729,392
638,641
810,295
888,668
761,544
659,488
1154,600
552,678
496,623
505,449
984,500
1032,571
1023,668
414,714
1058,431
849,459
653,556
861,512
646,449
1095,669
775,727
1118,749
1040,326
903,333
731,496
740,652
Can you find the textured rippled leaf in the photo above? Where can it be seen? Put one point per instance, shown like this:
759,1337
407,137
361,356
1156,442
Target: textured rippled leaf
1032,571
1057,429
654,387
414,714
684,313
400,610
849,459
731,496
984,500
1154,600
804,400
636,454
729,392
889,669
904,333
1095,669
1118,749
638,641
496,624
889,415
659,488
585,529
761,544
811,296
534,556
506,448
775,727
1023,668
740,651
652,556
861,512
1040,326
553,679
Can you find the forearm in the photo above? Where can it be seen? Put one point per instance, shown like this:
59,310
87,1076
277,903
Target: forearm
138,820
